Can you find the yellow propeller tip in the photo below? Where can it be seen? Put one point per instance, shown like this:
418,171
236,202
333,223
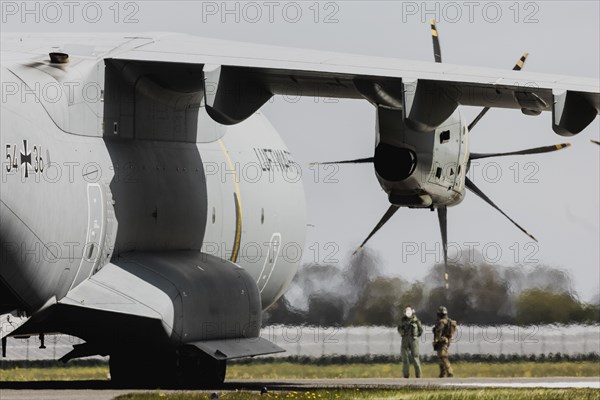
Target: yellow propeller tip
526,54
357,250
432,21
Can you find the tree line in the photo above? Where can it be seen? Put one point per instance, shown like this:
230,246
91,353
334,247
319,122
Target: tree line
359,294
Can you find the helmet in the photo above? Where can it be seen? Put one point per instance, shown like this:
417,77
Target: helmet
442,310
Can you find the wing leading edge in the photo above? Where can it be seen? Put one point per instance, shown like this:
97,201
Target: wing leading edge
242,77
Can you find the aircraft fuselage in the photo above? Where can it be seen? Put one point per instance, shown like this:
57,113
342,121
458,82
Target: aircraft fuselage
70,203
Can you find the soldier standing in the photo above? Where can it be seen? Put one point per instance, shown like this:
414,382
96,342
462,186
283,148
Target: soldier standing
443,331
410,329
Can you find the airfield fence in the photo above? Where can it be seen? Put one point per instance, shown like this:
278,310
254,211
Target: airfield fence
327,342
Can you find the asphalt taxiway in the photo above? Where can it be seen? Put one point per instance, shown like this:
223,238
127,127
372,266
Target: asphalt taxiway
102,390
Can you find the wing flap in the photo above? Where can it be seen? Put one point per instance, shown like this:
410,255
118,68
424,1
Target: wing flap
228,349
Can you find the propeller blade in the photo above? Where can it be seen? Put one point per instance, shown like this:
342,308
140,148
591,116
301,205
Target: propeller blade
518,66
437,50
357,161
537,150
471,186
521,63
477,118
442,213
595,141
388,214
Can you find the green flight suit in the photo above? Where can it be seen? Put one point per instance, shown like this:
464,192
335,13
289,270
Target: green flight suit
441,344
410,329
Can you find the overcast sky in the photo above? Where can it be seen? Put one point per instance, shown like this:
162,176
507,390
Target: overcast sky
555,196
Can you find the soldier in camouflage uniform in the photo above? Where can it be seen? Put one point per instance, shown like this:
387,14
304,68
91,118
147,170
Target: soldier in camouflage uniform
441,342
410,329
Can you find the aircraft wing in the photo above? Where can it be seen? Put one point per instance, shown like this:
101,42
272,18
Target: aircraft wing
252,73
241,77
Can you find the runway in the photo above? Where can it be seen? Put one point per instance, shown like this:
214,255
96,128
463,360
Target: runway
102,390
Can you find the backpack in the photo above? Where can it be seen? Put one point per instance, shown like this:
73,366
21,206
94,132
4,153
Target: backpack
450,329
419,328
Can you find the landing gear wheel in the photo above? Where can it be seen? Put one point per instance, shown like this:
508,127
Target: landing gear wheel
215,372
188,368
124,372
202,371
141,370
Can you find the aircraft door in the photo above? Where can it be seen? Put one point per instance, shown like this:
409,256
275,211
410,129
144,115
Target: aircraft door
270,261
445,167
100,234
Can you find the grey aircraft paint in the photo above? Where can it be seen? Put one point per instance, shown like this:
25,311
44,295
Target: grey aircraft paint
157,202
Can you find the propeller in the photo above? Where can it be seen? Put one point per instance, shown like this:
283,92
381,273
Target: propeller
437,50
357,161
521,63
437,53
536,150
595,141
442,213
518,66
473,188
386,217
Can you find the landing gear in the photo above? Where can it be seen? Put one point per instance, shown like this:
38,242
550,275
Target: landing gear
201,370
182,369
137,369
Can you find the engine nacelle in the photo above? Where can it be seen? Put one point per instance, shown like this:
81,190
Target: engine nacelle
572,112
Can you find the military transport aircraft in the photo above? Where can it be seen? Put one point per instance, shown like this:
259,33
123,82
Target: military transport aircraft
148,207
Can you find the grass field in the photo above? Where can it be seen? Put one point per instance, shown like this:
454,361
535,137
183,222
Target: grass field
462,370
285,370
75,373
413,394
